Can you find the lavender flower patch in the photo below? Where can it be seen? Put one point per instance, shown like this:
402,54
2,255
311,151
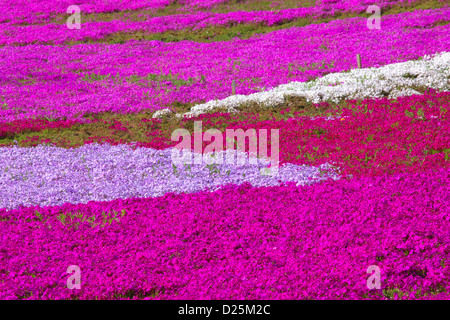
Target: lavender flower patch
51,176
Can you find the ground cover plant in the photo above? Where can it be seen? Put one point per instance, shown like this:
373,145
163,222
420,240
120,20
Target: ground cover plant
190,73
235,244
88,177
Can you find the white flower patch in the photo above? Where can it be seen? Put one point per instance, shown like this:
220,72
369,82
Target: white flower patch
161,113
392,81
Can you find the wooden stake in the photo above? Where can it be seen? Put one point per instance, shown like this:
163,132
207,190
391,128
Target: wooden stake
358,60
233,87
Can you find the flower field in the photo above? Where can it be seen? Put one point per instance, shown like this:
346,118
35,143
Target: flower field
358,176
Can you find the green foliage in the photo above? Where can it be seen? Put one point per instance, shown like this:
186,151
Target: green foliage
175,170
420,113
73,220
409,114
213,169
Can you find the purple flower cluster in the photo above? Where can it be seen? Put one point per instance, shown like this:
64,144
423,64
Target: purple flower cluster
50,176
